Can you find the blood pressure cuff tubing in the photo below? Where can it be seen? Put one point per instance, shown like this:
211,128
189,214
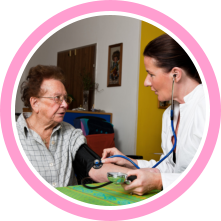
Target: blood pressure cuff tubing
84,161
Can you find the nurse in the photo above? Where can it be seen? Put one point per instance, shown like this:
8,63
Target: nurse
165,59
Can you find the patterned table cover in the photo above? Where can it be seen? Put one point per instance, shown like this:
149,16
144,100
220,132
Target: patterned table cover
110,195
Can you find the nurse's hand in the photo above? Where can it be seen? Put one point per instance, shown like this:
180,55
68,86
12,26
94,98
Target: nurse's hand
116,160
147,179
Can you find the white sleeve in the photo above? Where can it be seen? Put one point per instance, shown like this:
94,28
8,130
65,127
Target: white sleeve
198,124
168,178
146,164
197,131
167,167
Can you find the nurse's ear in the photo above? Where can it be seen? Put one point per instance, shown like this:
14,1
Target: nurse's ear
177,72
34,101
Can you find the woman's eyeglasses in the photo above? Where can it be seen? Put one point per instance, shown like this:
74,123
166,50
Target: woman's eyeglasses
59,99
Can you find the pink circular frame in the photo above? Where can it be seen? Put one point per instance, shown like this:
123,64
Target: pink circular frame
120,6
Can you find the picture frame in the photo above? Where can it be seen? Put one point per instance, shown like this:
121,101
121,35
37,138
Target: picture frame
163,104
114,72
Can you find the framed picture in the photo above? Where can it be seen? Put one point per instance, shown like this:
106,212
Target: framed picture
164,104
114,65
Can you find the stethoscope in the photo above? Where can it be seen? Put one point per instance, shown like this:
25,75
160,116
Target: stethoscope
98,163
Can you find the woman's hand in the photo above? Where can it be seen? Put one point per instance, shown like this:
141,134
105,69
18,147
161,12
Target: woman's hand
116,160
110,152
147,179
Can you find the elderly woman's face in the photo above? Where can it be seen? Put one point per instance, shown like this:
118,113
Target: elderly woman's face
48,108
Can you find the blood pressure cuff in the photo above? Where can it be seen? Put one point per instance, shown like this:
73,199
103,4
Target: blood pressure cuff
83,162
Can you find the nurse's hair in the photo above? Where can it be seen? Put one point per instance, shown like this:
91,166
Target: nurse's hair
31,87
169,54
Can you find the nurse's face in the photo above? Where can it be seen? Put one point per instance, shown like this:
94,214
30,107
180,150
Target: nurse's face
159,81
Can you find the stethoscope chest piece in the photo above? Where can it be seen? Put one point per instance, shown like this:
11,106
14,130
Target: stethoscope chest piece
97,164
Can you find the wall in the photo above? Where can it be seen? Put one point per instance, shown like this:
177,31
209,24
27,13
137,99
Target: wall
105,31
149,116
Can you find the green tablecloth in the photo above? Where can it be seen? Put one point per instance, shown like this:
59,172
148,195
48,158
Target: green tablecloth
110,195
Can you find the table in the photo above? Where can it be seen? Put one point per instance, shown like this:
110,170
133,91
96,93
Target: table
110,195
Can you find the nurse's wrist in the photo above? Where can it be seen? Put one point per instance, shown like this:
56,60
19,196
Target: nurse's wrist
135,161
129,165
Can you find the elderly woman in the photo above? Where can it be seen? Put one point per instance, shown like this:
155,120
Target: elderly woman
166,62
49,143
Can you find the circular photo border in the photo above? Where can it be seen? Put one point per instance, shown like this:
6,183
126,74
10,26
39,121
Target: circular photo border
102,6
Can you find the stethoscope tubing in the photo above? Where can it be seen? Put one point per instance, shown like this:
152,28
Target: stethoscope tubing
174,134
159,162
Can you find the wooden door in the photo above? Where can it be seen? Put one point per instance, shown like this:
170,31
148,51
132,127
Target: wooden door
73,62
